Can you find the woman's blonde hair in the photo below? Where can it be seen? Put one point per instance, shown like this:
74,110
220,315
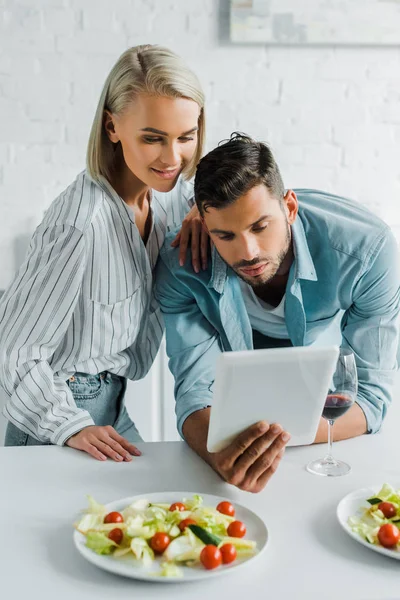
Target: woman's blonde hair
145,69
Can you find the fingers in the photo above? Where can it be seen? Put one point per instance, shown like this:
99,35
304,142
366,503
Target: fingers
114,446
184,241
123,442
253,457
266,476
192,228
243,441
195,244
176,241
93,451
112,450
260,472
257,457
204,242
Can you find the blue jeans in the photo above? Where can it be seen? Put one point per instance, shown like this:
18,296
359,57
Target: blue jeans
102,395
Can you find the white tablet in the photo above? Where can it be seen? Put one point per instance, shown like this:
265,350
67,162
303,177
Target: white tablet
280,385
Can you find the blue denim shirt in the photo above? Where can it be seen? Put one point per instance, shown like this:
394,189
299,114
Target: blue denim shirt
345,271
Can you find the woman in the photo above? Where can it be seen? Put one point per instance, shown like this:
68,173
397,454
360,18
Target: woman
80,317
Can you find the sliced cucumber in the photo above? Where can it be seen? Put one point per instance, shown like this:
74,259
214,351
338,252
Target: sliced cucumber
205,536
374,500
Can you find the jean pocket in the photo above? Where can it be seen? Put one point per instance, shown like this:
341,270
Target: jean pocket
86,387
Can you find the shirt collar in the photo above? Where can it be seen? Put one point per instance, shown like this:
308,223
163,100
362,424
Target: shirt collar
303,263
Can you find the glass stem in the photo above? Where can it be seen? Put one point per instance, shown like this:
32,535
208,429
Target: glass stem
329,456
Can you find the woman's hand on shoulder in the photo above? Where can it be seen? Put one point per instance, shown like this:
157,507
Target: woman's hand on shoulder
194,232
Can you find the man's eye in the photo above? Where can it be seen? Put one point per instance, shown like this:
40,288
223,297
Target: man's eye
149,139
258,229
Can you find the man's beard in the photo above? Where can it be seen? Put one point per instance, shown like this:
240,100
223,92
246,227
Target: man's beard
274,264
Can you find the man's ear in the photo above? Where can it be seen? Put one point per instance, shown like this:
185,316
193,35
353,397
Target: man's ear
204,224
291,206
109,126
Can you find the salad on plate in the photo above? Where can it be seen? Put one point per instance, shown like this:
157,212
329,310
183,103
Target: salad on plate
184,533
379,522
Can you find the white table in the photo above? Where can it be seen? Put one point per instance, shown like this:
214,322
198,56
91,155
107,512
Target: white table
309,556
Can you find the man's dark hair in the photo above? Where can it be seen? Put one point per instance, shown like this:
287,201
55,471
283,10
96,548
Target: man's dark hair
232,169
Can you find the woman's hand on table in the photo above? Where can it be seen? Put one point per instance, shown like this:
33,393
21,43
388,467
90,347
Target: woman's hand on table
193,231
102,443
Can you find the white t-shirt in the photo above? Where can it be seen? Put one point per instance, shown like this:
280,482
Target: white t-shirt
268,320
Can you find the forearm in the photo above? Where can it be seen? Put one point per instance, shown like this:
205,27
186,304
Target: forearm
352,424
195,432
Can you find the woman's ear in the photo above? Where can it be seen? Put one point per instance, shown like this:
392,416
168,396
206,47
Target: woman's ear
291,206
109,126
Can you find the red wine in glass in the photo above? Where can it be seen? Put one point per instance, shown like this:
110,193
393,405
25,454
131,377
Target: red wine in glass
336,405
341,396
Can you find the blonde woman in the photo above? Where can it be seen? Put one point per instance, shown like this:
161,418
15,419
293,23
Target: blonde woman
80,317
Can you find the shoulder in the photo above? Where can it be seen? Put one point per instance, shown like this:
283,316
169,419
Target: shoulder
169,255
169,268
176,203
77,205
342,224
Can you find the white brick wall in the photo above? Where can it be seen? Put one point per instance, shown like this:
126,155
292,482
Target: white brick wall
332,115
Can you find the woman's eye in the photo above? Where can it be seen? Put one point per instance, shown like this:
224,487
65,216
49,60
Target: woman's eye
186,139
151,139
226,238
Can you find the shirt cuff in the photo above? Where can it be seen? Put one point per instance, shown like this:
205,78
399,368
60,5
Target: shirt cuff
189,411
78,422
373,422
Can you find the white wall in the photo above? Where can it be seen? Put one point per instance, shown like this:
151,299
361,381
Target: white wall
332,115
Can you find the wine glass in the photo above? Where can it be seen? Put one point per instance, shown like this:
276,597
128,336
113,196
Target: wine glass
341,396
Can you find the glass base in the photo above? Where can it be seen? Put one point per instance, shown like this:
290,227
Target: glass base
328,467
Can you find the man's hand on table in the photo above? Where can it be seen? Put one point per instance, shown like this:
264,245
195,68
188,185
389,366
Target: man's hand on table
102,443
249,461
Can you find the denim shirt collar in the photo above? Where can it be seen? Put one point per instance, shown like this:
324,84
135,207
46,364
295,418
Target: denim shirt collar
303,263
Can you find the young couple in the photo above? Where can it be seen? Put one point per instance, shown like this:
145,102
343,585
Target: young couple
84,311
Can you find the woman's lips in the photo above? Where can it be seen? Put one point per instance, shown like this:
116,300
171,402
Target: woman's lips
254,271
166,173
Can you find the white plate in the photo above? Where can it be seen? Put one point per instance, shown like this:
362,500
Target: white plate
350,506
256,530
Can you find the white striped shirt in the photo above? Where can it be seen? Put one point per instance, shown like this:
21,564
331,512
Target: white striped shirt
83,300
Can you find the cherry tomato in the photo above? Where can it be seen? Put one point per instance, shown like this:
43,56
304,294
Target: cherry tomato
185,523
226,508
211,557
177,506
114,517
229,553
388,509
159,542
236,529
388,535
116,535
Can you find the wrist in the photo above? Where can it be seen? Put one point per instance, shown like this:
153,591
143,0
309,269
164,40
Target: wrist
195,432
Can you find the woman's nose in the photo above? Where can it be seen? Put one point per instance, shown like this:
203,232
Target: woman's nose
170,155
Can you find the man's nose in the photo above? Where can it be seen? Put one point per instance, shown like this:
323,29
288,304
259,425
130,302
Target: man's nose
249,249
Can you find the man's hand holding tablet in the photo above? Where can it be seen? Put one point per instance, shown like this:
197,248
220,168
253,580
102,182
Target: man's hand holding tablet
249,461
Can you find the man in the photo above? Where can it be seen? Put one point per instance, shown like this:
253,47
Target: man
286,269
